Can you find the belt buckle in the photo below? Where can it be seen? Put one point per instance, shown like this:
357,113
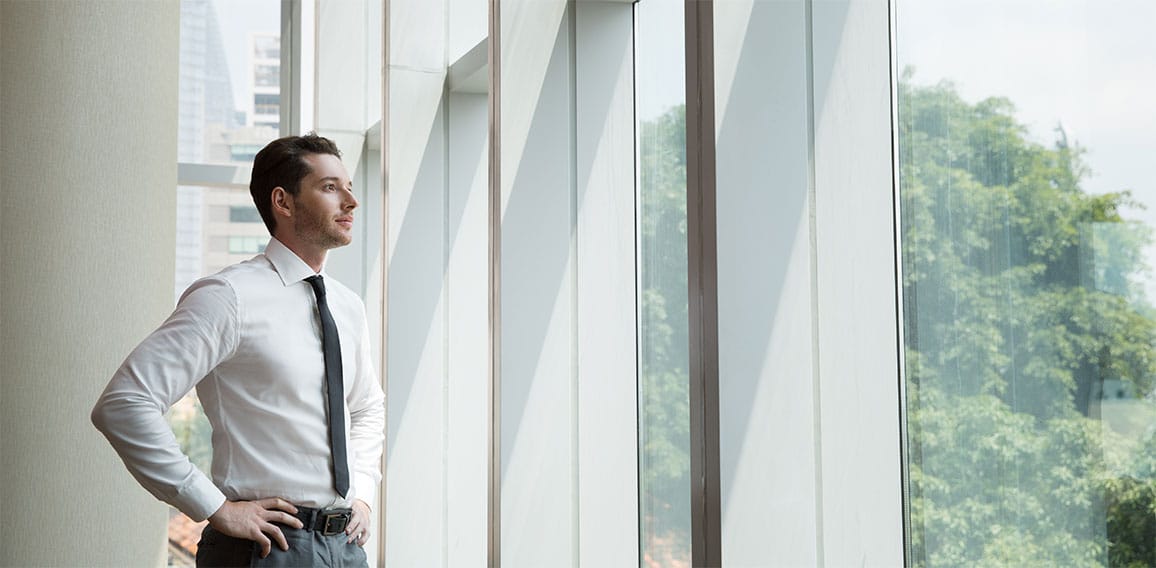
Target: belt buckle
335,523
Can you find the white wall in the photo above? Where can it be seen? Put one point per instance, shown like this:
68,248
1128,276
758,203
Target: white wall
607,350
568,361
766,361
88,134
467,329
808,337
539,515
415,505
437,346
856,288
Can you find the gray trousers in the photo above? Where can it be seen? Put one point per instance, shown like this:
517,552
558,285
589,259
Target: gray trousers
306,548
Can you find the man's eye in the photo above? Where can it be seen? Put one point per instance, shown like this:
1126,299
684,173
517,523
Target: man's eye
330,187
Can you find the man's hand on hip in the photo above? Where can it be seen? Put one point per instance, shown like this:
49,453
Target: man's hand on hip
252,520
358,528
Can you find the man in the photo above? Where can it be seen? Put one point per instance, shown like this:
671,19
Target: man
265,342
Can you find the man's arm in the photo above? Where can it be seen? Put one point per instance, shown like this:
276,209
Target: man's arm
199,334
202,332
366,403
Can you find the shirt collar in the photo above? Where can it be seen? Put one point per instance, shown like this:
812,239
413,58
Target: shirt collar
288,265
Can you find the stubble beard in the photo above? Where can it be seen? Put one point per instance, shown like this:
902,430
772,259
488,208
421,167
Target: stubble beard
316,230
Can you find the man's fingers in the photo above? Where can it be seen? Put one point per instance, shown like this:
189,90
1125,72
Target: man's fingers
360,536
277,535
357,527
283,518
353,526
264,542
277,503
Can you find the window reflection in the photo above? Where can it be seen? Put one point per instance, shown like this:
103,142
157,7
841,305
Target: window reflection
664,376
1028,315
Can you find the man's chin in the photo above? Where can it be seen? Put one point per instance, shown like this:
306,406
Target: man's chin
333,241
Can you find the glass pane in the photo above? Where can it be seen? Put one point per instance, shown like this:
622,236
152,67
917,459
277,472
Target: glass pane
1026,206
244,214
663,360
229,104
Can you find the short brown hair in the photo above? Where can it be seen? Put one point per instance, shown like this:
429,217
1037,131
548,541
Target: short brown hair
281,163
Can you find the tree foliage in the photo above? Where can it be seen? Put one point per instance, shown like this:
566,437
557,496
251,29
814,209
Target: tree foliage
1029,344
1025,318
193,432
664,375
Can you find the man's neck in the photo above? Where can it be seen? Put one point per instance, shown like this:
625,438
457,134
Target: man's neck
311,255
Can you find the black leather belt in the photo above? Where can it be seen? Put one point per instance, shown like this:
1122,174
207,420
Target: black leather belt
328,522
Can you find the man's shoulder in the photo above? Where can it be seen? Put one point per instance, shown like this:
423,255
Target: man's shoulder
257,267
239,278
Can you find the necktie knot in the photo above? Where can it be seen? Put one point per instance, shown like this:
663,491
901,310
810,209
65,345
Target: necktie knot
318,285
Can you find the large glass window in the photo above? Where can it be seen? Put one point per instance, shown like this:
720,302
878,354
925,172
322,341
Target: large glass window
1027,205
664,377
228,51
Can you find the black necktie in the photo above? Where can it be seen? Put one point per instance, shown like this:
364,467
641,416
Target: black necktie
334,388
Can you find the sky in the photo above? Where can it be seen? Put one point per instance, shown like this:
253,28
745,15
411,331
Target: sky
1089,65
661,66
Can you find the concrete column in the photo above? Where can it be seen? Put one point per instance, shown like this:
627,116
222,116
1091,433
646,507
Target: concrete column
88,135
417,510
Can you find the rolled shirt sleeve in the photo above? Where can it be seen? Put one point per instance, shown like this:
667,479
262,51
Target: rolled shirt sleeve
200,333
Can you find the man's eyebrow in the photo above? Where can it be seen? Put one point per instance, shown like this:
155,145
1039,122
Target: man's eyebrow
336,179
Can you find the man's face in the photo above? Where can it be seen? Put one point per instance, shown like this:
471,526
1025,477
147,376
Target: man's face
323,208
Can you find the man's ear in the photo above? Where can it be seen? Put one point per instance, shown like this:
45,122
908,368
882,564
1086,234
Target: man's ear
282,202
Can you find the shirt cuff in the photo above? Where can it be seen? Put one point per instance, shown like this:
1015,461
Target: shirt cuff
200,498
364,488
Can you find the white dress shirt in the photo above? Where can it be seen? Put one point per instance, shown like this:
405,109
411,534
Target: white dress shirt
249,339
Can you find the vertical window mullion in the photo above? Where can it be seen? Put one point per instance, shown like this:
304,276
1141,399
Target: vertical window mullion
706,524
494,495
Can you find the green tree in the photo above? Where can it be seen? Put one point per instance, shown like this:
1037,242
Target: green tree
1023,302
664,373
1022,305
193,432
